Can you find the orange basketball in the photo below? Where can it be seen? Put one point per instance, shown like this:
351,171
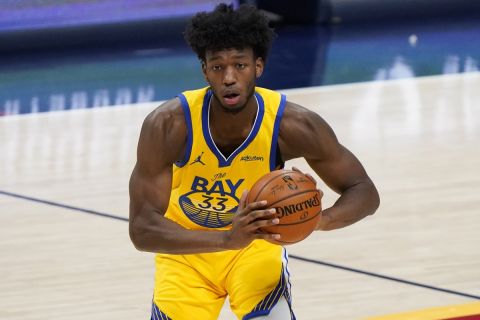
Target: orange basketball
296,199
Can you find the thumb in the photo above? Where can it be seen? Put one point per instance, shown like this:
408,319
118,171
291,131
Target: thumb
243,200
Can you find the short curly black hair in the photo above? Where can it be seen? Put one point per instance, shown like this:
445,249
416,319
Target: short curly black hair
227,28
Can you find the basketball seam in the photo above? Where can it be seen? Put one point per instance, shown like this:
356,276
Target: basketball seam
299,222
266,183
290,196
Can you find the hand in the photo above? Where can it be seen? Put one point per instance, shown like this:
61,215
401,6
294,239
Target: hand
247,223
325,218
308,175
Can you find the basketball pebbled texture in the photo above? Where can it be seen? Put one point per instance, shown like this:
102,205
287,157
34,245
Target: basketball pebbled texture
296,200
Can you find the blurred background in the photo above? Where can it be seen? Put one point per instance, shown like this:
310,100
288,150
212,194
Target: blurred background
75,54
63,173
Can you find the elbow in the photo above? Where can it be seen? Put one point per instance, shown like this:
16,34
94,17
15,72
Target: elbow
137,237
375,199
147,238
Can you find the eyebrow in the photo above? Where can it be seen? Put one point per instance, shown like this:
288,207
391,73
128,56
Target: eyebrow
238,56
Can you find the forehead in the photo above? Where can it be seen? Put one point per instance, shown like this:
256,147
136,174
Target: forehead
233,53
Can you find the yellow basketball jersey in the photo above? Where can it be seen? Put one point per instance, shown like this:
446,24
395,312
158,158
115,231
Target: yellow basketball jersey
207,186
206,190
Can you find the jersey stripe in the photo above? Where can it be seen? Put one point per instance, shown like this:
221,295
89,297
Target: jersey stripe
188,122
276,130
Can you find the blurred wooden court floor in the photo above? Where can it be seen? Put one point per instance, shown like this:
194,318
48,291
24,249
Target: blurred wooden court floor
64,246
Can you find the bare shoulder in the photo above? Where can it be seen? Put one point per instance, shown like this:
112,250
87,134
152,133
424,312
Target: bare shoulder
168,115
164,132
304,133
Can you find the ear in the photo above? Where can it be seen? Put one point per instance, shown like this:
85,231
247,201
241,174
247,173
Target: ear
204,71
259,65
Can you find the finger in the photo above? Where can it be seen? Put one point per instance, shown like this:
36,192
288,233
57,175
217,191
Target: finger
261,214
243,200
268,236
309,176
321,193
256,205
248,208
258,224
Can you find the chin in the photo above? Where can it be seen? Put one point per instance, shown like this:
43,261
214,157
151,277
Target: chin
234,109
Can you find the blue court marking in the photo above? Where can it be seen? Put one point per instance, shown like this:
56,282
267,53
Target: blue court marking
327,264
376,275
64,206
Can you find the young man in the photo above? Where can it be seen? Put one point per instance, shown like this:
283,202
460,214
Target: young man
188,187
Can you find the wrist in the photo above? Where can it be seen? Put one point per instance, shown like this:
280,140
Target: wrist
225,240
325,220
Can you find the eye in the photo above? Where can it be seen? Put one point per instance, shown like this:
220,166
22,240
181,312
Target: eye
216,68
241,65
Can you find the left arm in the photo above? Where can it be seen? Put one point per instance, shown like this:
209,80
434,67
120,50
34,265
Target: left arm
304,133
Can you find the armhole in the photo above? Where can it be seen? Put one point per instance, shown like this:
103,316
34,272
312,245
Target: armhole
275,156
188,122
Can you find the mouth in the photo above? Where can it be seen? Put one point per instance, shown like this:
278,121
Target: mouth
231,98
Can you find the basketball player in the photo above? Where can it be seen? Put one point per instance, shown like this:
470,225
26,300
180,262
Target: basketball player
197,156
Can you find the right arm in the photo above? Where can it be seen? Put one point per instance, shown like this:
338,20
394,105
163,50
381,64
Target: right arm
162,143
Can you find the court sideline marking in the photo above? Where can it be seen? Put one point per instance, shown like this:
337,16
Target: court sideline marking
327,264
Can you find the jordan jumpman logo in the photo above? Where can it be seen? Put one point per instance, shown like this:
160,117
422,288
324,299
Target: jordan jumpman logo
198,159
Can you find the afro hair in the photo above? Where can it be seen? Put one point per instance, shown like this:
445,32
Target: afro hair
227,28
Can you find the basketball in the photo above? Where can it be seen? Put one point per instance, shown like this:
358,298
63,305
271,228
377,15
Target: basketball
297,202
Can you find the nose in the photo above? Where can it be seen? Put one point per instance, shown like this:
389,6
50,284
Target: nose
229,76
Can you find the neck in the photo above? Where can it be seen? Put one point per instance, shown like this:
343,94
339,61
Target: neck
230,129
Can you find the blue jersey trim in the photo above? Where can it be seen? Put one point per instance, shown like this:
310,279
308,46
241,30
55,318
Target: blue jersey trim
265,306
222,161
188,122
256,314
276,130
288,295
157,314
287,273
